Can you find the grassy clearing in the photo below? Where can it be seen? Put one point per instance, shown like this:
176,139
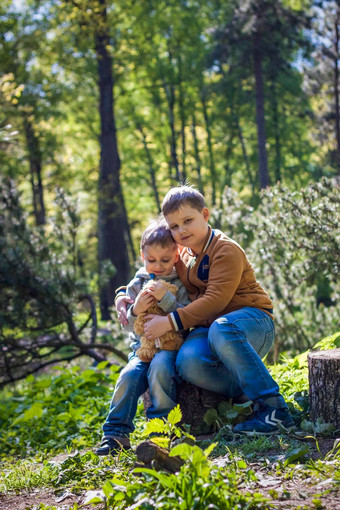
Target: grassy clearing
51,423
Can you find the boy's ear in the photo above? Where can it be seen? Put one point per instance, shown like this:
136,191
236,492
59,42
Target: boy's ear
142,255
206,213
177,256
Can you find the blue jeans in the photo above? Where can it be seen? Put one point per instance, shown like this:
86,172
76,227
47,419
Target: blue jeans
226,358
159,375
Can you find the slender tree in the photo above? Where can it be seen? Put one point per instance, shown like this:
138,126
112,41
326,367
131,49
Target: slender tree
326,71
35,162
260,32
111,210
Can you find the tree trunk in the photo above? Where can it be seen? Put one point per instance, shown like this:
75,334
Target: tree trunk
324,386
236,122
197,153
151,167
112,219
276,123
182,117
336,90
129,240
260,121
35,157
210,148
169,89
245,154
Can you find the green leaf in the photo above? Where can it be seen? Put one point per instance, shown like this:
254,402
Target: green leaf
35,411
161,441
175,415
243,405
210,417
114,485
241,464
183,450
102,365
164,479
155,425
296,454
336,340
209,449
324,428
231,414
224,407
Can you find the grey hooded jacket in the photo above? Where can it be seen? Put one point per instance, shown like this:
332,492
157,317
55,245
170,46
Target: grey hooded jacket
168,304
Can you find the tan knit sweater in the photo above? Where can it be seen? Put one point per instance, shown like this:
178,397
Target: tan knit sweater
219,280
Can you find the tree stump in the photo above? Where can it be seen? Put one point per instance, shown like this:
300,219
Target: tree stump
324,386
194,403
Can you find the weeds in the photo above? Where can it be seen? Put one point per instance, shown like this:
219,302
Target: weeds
63,412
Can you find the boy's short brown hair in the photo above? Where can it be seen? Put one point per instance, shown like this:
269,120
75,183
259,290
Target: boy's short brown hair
157,232
182,195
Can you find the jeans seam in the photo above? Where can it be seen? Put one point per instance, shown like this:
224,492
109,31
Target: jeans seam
135,386
265,341
245,342
259,321
172,378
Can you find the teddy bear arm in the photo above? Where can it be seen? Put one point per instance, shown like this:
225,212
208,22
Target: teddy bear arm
139,324
147,349
171,341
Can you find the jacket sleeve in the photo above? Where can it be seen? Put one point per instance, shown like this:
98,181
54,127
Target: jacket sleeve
132,291
225,272
169,303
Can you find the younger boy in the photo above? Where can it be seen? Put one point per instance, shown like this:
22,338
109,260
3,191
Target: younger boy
231,313
159,253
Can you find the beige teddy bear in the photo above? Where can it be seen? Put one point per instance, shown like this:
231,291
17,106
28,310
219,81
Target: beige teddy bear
171,341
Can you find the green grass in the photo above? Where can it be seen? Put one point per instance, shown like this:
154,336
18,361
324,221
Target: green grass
51,423
27,474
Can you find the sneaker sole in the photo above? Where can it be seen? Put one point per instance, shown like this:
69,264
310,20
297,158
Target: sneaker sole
257,433
113,451
103,453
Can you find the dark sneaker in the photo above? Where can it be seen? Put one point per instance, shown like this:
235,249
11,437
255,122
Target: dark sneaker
266,420
110,446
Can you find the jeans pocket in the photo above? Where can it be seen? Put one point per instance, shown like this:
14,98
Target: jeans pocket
268,342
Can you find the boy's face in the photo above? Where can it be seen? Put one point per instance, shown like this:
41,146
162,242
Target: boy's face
160,260
189,227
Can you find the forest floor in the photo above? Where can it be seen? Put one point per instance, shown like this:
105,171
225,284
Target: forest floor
298,489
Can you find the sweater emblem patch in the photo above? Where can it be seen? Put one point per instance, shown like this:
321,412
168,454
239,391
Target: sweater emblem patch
203,270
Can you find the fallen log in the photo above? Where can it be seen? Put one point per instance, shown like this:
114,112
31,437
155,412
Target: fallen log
154,456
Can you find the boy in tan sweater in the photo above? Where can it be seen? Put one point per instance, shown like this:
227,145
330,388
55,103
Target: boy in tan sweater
231,315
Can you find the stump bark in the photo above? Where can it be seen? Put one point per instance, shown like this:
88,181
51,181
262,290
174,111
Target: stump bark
324,386
194,403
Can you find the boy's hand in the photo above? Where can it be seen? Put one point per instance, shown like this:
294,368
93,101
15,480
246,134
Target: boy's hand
121,307
143,302
156,326
157,290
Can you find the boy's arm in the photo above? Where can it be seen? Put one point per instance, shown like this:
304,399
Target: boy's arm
121,303
225,274
170,303
131,290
